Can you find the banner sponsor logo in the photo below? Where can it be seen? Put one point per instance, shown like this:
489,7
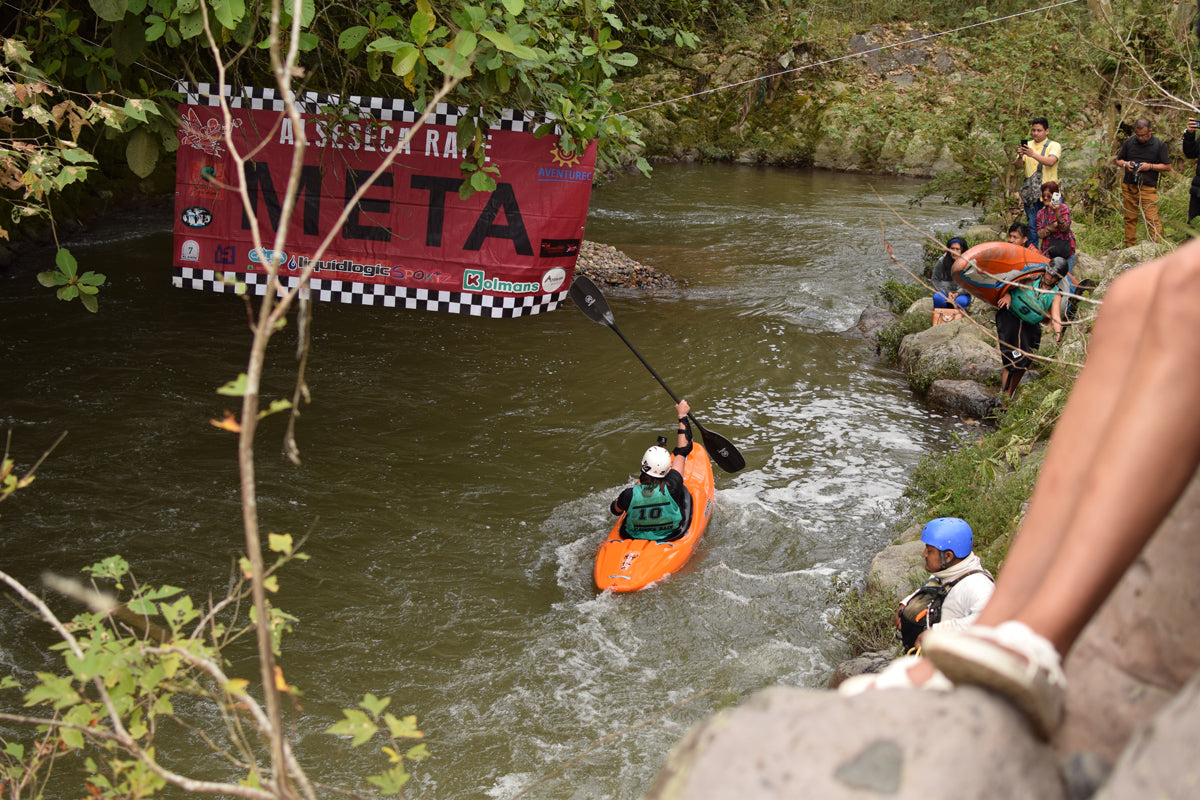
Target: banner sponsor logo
514,247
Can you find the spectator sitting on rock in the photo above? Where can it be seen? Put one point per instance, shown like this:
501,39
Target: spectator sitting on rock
1124,450
944,287
957,590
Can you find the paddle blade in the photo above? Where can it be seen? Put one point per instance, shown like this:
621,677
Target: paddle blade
590,301
721,450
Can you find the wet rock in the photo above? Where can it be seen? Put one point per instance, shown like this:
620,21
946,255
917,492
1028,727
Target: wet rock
965,398
860,665
608,266
870,322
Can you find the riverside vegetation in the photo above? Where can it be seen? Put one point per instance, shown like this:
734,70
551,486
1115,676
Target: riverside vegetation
809,88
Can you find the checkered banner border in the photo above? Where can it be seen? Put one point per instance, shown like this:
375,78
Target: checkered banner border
391,110
376,294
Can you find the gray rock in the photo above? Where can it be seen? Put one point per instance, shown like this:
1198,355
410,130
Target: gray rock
897,568
1161,760
860,665
960,350
965,398
870,322
792,743
1141,648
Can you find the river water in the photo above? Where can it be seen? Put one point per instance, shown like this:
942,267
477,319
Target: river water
456,473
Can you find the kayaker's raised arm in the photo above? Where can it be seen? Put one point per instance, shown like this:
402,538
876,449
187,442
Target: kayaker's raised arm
684,445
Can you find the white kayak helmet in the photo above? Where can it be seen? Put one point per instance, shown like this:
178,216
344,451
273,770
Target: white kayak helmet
656,462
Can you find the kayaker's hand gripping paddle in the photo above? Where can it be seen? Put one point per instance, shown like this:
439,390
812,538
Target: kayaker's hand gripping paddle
592,303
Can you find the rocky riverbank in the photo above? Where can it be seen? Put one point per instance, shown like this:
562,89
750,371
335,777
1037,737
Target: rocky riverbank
608,266
1132,702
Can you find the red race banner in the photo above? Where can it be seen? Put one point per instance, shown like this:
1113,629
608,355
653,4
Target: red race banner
410,242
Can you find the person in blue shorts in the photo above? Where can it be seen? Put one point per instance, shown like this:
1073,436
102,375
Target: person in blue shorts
946,293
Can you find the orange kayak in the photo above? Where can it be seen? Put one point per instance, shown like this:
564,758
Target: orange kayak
627,565
991,264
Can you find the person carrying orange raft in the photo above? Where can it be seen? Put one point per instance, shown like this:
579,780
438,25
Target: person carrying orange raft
1015,281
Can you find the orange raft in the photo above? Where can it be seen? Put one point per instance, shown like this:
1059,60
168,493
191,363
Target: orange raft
991,266
627,565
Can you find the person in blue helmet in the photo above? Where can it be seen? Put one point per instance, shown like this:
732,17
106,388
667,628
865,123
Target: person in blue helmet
957,590
653,507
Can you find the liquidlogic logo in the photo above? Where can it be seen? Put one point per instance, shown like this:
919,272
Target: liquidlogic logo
476,280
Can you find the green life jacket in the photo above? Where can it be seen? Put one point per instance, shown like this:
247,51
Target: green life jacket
1030,306
653,514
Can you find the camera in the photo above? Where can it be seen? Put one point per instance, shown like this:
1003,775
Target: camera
1056,198
1024,143
1134,165
662,441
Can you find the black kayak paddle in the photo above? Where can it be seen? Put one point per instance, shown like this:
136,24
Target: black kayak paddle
592,303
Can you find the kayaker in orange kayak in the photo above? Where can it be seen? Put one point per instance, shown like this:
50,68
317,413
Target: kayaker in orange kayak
654,506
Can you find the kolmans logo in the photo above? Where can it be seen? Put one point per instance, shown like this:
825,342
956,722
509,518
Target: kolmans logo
476,280
196,217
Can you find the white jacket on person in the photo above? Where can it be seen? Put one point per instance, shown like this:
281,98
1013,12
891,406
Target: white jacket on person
966,599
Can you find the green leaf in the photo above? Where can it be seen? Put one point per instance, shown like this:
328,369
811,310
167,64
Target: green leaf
53,689
47,278
403,728
392,781
68,292
235,388
92,278
191,25
386,44
482,182
356,724
373,704
275,407
280,543
142,152
352,37
623,59
109,10
405,60
514,7
419,26
417,753
66,262
502,40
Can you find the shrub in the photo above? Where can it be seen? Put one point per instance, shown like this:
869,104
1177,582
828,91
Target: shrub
865,617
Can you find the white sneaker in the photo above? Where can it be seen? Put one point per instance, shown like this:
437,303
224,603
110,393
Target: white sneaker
1010,659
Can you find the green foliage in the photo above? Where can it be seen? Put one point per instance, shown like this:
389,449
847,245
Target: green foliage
898,296
865,617
127,664
70,283
889,338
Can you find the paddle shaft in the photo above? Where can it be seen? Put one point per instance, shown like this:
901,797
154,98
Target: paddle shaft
591,302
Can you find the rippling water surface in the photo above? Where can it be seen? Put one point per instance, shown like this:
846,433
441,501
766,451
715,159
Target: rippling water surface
457,472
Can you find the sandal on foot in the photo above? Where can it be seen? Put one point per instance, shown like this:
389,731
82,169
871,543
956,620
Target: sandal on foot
1010,659
894,676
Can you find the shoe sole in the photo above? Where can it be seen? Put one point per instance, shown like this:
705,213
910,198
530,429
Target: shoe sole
988,665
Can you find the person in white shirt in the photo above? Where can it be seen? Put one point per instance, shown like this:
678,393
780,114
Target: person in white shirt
957,590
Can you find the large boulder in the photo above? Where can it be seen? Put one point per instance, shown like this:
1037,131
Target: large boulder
965,398
870,322
905,745
961,350
1141,647
898,568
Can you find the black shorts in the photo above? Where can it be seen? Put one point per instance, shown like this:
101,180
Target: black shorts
1013,332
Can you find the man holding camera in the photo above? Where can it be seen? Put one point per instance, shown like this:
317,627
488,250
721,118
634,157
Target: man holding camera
1040,157
1142,157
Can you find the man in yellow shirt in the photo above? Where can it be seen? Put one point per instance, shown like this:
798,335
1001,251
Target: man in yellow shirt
1038,153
